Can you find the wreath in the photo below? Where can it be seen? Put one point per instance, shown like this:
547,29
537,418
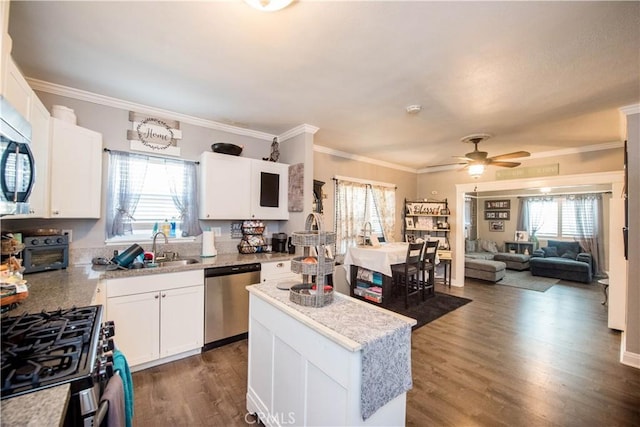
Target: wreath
155,146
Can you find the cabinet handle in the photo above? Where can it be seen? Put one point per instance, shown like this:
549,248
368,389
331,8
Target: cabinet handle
157,296
56,212
164,295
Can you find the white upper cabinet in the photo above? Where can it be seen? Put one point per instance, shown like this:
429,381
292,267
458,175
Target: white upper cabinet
76,171
224,186
234,187
40,143
269,190
15,88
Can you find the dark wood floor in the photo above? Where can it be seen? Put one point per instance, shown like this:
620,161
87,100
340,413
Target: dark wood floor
512,357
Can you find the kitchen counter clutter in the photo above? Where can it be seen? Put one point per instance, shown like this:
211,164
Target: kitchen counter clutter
347,363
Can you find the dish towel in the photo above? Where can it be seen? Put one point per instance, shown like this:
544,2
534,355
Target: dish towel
114,395
120,365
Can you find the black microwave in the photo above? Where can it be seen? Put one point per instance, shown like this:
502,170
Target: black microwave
44,253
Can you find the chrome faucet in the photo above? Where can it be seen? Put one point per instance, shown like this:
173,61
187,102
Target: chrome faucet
155,236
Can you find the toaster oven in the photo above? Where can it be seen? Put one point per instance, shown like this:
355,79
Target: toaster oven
44,253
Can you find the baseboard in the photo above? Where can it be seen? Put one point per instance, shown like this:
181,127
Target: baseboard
626,357
164,360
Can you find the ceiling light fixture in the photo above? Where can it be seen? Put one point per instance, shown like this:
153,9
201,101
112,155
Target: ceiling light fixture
476,171
268,5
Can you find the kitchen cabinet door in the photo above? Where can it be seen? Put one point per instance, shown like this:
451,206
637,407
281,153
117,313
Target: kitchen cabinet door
224,186
181,320
15,88
137,327
76,171
269,190
40,142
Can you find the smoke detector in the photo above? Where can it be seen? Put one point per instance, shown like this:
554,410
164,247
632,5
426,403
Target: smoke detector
414,109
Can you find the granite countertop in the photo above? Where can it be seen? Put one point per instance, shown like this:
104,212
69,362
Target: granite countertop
75,286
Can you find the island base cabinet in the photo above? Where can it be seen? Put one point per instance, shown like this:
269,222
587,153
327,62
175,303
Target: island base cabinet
299,377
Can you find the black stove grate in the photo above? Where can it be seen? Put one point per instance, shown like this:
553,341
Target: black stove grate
48,348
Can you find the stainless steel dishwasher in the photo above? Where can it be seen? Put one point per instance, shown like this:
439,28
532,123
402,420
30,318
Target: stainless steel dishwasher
226,309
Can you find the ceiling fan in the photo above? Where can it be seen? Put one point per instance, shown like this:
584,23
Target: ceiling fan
476,160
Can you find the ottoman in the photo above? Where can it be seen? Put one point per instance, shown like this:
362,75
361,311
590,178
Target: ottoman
484,269
514,261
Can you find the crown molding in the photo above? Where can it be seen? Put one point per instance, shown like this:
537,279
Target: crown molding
108,101
332,152
542,155
630,109
298,130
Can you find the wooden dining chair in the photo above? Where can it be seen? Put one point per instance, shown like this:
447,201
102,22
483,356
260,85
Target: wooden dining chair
428,269
407,275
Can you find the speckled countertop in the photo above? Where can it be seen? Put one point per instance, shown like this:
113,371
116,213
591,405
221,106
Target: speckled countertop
75,286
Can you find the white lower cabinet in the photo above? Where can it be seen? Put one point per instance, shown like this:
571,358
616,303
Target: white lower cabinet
157,317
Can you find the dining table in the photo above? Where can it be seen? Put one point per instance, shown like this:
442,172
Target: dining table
377,259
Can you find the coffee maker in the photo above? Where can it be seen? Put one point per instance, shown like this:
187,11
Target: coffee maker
279,242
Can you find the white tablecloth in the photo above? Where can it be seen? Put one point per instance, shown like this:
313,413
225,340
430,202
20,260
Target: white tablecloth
376,258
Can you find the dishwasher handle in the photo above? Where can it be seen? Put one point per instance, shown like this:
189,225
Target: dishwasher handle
231,269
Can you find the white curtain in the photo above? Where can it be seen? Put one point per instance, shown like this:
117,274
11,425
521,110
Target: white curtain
385,201
588,216
354,200
351,205
126,177
183,185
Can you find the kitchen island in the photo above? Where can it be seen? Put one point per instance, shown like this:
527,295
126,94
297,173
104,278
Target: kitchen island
348,363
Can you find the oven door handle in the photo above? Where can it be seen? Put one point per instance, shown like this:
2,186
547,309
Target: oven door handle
101,413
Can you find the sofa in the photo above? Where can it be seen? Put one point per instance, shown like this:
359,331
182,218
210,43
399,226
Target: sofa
489,250
562,260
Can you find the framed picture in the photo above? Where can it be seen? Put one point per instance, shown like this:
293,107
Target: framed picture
521,236
497,215
410,238
496,225
497,204
408,221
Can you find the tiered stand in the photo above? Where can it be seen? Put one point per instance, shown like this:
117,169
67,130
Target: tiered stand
303,294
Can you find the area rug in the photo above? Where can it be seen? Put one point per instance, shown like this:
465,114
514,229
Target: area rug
524,280
429,310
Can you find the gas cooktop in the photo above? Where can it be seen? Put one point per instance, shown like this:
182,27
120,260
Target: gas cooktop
49,348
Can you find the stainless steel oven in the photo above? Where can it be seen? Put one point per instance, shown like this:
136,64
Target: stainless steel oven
17,166
44,253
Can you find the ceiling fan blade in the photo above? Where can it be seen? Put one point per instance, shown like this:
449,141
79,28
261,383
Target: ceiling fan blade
514,155
505,164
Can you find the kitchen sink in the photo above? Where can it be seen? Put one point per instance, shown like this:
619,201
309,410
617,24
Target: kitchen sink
176,262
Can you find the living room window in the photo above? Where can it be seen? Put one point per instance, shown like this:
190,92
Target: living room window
566,217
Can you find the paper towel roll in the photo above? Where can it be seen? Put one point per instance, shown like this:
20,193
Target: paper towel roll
208,244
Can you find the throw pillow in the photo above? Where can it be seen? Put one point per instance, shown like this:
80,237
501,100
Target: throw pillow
569,255
550,251
489,246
